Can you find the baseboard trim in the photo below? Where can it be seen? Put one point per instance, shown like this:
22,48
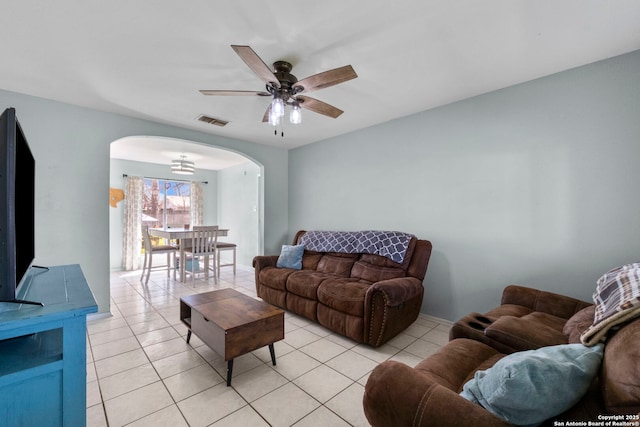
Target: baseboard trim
436,319
98,316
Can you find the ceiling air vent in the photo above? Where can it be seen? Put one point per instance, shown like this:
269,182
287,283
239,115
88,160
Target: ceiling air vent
212,120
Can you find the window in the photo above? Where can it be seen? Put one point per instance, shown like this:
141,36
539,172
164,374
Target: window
166,203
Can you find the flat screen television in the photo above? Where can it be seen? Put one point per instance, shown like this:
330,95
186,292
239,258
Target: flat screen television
17,199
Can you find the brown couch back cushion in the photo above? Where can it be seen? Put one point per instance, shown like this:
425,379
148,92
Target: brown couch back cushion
380,261
528,332
310,260
375,273
337,264
539,300
578,324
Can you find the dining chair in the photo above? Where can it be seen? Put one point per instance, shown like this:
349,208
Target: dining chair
225,246
150,250
203,244
181,244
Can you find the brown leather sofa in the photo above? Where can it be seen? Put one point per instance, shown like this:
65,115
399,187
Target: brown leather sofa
368,298
428,394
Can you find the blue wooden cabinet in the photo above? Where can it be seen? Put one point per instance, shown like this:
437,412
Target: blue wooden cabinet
43,350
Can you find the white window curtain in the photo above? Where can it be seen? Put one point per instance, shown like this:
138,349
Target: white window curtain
132,233
196,203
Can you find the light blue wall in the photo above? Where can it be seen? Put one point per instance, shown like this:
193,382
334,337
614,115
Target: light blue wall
536,184
239,210
116,215
71,148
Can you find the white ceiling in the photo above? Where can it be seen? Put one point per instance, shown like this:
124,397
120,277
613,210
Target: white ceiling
149,58
153,149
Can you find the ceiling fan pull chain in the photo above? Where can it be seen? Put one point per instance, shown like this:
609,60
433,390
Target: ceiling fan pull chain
275,132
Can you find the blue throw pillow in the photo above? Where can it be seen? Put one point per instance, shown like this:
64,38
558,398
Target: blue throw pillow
529,387
291,257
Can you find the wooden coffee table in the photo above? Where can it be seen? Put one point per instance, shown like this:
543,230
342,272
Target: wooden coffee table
232,323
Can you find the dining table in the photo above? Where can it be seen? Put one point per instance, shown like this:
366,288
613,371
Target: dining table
179,234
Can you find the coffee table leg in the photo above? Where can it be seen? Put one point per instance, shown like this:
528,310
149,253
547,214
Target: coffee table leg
273,354
188,336
229,371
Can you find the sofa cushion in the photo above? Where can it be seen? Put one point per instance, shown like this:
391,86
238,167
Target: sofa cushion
508,310
305,283
275,278
344,294
375,273
457,362
291,257
543,301
379,260
528,332
302,306
529,387
276,297
578,324
337,264
311,259
343,323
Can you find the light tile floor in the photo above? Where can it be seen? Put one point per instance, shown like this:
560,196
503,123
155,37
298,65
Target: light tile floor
141,371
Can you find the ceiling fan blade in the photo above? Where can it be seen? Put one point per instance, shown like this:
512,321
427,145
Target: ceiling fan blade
265,118
326,79
256,64
234,93
319,107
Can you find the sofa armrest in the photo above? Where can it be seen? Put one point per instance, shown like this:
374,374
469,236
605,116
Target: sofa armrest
396,291
262,261
546,302
398,395
390,306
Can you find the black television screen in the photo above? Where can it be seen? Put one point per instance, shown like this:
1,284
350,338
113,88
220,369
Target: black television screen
17,196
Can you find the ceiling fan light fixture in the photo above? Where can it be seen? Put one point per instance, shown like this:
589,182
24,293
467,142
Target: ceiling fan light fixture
274,119
276,110
182,166
277,106
295,117
284,87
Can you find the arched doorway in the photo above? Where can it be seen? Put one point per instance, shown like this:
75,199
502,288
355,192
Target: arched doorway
232,188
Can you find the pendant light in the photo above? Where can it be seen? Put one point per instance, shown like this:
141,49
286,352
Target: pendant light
182,166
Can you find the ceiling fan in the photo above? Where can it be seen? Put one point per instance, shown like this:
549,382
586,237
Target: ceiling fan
286,89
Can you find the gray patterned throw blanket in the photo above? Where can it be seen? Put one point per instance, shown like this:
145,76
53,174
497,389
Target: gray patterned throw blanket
389,244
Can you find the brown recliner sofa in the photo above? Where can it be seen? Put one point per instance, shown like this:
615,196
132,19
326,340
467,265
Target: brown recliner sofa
366,297
428,394
525,319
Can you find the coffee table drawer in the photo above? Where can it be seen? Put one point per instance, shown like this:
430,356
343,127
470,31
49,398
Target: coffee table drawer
210,333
